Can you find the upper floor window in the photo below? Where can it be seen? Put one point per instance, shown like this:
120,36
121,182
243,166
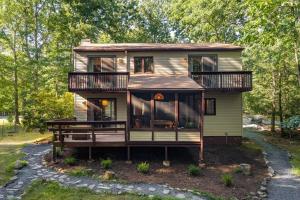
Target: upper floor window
143,64
102,64
203,63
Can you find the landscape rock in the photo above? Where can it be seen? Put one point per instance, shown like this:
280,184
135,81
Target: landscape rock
246,168
108,175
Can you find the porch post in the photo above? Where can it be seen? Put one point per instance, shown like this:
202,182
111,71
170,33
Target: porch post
54,154
201,156
127,135
152,115
176,115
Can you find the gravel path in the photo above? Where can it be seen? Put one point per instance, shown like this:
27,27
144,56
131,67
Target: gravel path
36,170
284,185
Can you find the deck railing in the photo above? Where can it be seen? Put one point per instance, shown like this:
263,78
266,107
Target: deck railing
85,131
98,81
226,81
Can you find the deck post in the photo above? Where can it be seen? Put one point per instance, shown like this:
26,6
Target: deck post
90,153
201,153
166,162
128,155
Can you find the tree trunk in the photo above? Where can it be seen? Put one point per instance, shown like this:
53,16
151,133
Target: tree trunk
273,102
280,105
16,89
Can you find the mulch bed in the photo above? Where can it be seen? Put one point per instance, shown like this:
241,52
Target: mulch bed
219,160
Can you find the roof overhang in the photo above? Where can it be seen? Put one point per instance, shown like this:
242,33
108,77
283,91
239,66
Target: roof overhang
162,83
133,47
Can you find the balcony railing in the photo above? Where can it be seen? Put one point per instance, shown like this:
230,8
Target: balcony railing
225,81
98,81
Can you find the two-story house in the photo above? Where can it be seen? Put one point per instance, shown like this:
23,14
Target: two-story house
140,94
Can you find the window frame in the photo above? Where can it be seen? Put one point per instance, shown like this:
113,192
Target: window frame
190,56
214,106
143,65
90,68
102,98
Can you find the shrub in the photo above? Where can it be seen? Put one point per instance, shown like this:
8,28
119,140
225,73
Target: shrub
106,164
238,170
70,161
80,171
194,170
227,180
143,167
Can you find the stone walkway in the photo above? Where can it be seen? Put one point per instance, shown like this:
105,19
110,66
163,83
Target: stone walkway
284,185
36,170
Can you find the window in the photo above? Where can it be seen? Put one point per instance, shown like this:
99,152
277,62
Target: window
210,106
141,111
102,64
189,106
103,109
143,64
203,63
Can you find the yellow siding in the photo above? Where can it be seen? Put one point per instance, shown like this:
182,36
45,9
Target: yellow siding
165,136
81,108
189,136
81,60
140,136
228,118
165,63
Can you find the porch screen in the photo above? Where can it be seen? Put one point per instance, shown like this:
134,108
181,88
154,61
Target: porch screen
141,111
189,110
164,111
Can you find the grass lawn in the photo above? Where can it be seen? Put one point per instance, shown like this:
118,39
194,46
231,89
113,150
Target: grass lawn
52,191
23,137
293,146
10,151
9,154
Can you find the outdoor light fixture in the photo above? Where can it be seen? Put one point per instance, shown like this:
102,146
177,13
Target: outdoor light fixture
159,96
104,102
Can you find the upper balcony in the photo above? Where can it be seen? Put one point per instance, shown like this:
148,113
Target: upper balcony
98,81
240,81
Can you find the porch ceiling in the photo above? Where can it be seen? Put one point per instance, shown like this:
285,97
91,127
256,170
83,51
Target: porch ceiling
152,82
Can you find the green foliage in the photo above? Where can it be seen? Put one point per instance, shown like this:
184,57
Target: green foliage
80,171
194,170
106,163
70,160
143,167
46,106
227,180
292,123
238,170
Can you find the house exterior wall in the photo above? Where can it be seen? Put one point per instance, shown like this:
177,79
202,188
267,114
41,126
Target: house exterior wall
165,63
81,104
228,118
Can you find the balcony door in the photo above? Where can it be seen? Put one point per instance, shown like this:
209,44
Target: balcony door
102,64
205,63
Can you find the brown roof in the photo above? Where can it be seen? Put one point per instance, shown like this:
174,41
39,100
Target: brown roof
156,82
86,46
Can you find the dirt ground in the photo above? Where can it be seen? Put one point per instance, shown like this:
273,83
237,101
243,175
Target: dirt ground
219,160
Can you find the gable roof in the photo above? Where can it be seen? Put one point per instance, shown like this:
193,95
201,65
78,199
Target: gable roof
86,46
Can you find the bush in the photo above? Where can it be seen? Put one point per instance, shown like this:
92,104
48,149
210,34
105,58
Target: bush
227,180
238,170
143,167
291,124
106,164
194,170
70,161
80,171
